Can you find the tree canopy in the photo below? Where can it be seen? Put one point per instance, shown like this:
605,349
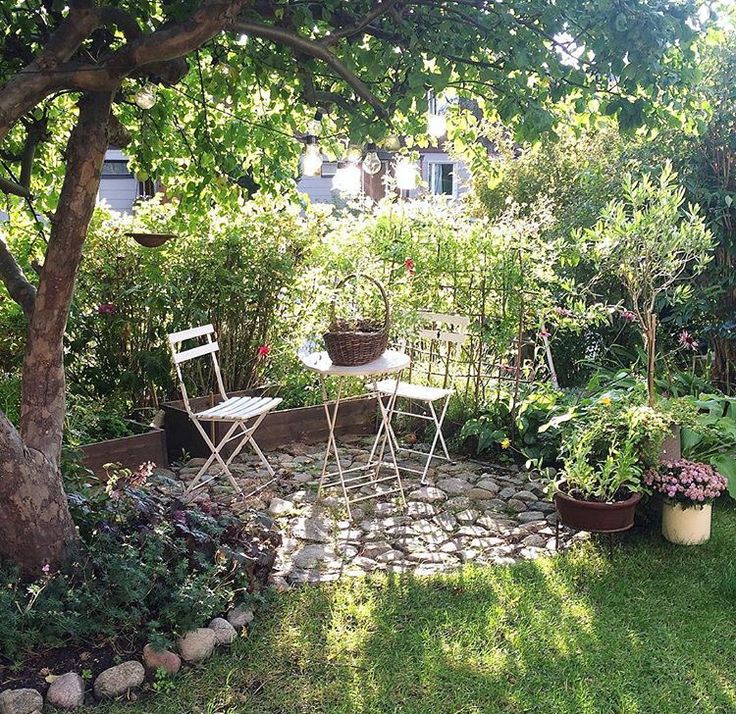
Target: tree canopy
227,116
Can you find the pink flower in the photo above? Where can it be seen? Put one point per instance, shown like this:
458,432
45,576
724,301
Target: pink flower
107,308
46,569
628,315
409,265
564,312
686,481
544,333
687,341
263,351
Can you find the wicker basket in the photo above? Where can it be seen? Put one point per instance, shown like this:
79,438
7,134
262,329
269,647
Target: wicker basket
353,347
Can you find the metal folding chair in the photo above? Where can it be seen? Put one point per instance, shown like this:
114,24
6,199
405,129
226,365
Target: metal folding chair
235,411
436,345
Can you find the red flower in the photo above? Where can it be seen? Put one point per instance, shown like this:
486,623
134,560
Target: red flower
409,265
107,308
263,351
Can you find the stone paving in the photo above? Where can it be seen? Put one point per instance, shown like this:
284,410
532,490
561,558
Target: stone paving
468,512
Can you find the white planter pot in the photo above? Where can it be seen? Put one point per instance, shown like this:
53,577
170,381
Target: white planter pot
686,526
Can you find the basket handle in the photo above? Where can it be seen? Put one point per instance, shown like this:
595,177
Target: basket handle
375,282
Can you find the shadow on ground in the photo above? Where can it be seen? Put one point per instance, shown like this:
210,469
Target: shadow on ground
650,630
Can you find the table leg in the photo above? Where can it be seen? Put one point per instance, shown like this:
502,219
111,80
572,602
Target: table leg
332,442
386,428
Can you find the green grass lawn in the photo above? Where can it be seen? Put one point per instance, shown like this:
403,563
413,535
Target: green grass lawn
652,630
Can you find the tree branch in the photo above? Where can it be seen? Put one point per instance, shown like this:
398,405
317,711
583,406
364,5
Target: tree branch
8,186
381,7
52,71
18,286
314,49
37,80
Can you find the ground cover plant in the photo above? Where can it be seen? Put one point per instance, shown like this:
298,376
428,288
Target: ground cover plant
538,636
147,568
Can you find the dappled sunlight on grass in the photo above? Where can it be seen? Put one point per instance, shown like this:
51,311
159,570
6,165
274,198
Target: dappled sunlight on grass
648,631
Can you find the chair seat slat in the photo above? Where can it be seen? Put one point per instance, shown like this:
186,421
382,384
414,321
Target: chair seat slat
405,390
238,408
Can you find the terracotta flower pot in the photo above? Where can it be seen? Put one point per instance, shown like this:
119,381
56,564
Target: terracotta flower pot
596,517
686,526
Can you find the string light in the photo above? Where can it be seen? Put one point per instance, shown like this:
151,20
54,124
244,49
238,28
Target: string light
406,174
312,157
436,125
371,162
347,178
145,97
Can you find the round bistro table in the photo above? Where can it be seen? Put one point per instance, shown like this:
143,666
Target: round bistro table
390,362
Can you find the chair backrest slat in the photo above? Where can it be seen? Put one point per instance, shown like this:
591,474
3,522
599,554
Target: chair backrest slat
191,333
438,341
461,322
209,348
443,336
194,352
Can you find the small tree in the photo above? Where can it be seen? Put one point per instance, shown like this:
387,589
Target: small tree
650,242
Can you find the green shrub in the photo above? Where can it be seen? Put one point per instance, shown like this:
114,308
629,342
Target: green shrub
145,568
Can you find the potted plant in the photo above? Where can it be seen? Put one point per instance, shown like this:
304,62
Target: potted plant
601,496
689,489
601,478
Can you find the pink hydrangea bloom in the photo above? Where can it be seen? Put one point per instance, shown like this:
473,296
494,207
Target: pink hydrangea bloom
686,481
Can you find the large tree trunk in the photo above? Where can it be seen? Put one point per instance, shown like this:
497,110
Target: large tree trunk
35,525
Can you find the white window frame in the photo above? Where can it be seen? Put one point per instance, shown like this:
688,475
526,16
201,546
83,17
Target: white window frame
431,177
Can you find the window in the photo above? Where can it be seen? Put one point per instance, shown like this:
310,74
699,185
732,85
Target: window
116,168
146,189
442,179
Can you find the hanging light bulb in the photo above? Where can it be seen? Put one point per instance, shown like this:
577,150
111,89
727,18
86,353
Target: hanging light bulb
312,158
392,143
436,125
371,162
145,97
314,126
354,154
347,178
406,174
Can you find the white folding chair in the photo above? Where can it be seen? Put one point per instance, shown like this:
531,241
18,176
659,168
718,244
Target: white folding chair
233,410
437,344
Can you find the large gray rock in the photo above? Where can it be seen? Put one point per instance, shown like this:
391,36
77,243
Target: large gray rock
224,632
197,645
420,509
280,507
119,680
480,494
316,529
310,556
454,486
427,494
529,516
20,701
66,691
488,484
